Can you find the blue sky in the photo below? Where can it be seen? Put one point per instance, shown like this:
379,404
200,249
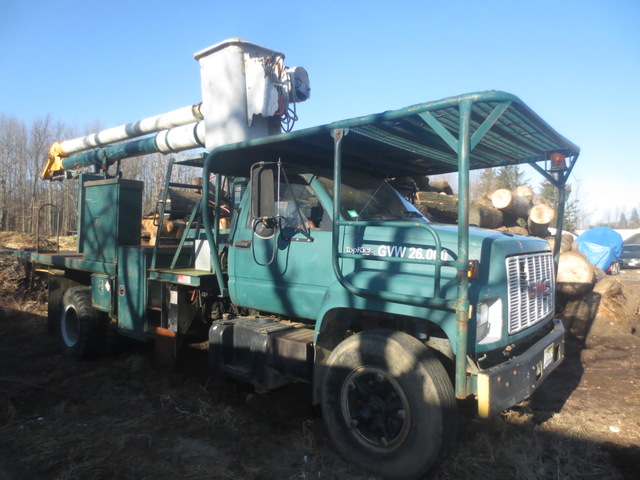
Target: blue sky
576,63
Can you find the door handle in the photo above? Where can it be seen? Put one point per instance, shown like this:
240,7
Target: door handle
242,244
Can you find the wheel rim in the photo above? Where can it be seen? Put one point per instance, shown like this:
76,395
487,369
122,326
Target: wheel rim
375,408
70,326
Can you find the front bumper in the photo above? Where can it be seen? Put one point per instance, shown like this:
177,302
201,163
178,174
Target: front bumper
511,382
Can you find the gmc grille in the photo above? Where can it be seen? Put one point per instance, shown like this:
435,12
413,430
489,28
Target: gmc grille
531,290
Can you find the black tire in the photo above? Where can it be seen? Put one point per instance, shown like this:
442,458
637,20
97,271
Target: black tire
54,304
388,404
82,331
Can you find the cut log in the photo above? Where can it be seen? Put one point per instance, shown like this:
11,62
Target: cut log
608,311
541,214
444,208
520,206
484,200
599,275
564,245
579,314
150,229
501,198
576,276
508,202
440,186
618,311
538,199
540,217
484,216
174,226
524,191
515,229
170,228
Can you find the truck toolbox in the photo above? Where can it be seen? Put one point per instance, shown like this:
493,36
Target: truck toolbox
262,351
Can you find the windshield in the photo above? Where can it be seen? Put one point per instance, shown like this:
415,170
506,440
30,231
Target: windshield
371,199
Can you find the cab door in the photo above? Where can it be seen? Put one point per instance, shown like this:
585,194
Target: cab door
280,262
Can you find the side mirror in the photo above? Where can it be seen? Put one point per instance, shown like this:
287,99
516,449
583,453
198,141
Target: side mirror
263,198
263,203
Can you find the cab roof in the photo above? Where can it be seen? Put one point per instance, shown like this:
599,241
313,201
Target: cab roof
417,140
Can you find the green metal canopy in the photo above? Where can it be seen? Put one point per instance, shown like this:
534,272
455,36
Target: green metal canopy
456,134
419,140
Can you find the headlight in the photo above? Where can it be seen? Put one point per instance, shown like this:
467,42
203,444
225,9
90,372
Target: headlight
489,321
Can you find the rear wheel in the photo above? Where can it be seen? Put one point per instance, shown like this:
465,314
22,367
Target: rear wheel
388,404
83,331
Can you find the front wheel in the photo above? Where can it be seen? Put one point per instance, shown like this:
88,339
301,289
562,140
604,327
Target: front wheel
388,404
83,331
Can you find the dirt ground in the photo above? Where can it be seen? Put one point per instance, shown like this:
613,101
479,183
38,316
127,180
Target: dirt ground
125,417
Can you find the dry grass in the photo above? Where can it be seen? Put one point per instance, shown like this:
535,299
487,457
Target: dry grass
123,417
515,446
15,240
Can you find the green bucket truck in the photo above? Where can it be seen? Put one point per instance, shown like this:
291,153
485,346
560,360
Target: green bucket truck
301,263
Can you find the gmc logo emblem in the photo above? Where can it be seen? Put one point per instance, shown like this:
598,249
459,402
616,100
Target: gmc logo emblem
539,288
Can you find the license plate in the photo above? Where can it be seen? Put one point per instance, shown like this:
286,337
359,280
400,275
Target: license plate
548,356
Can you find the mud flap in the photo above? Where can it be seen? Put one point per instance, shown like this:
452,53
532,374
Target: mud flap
166,343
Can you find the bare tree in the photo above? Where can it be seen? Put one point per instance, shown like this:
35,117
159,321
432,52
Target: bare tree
13,139
23,153
42,134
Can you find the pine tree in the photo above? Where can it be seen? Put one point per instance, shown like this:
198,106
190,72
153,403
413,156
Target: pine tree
622,223
548,191
510,176
634,219
487,181
572,212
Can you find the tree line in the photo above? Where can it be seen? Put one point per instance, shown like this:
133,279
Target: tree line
29,204
618,219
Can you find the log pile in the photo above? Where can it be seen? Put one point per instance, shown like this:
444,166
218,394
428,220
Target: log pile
611,309
576,276
179,204
518,211
170,229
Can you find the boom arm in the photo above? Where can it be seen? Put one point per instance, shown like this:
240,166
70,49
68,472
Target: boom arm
246,92
178,130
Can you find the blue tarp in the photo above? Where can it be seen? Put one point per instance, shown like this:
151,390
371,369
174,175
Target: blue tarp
601,245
